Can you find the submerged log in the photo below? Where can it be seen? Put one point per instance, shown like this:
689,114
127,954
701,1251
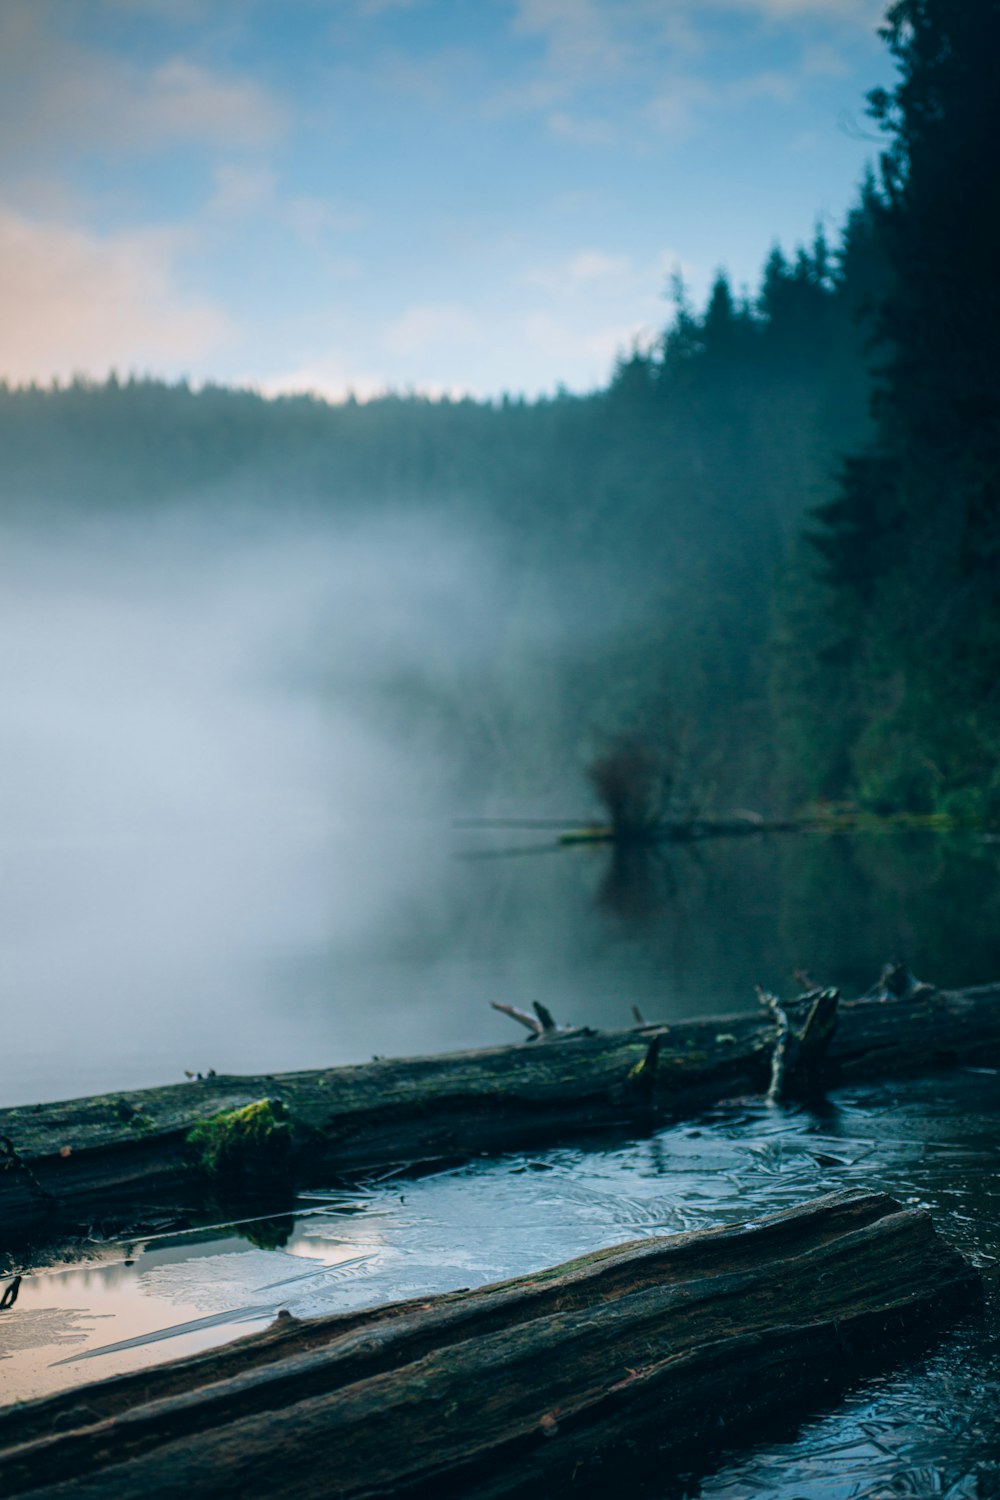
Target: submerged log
118,1158
682,830
545,1385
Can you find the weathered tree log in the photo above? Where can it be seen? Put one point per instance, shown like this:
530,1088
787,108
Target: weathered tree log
118,1158
534,1386
132,1152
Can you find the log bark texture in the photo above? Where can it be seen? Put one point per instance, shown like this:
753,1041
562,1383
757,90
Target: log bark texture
125,1158
550,1384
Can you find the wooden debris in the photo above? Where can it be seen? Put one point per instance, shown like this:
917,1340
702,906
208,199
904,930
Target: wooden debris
542,1024
532,1023
806,1028
553,1384
896,982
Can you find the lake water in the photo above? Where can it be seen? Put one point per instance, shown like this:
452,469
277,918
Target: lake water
127,962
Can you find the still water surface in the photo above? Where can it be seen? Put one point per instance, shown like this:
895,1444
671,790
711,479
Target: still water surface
127,963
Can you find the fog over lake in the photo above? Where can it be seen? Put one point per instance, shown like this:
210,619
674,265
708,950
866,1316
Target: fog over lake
199,807
224,848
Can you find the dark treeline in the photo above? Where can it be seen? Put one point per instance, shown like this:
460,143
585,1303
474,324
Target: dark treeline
911,536
767,549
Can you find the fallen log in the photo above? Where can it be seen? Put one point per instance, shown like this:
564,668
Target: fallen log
240,1137
648,1352
118,1159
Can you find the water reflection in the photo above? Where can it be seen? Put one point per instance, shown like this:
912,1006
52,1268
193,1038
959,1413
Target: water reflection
679,931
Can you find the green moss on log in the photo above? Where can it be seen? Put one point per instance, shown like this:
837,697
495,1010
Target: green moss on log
242,1149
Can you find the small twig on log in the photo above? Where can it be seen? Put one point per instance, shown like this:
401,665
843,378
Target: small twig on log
534,1026
782,1044
637,1015
897,982
544,1015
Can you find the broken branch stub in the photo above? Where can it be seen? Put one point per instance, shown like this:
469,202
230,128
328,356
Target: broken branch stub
806,1028
532,1023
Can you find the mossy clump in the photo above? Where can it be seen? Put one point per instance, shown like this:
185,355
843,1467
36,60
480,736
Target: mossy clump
245,1150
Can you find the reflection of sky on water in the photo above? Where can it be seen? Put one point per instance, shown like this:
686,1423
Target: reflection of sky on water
931,1142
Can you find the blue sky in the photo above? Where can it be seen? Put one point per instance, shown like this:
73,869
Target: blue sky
446,195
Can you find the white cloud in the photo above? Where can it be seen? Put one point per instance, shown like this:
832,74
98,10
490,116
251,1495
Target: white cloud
669,264
588,266
179,11
241,189
620,286
583,270
55,91
313,219
583,48
180,100
589,31
779,87
434,80
824,61
428,325
588,41
681,107
331,378
585,355
580,35
378,7
862,12
582,130
73,302
676,110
